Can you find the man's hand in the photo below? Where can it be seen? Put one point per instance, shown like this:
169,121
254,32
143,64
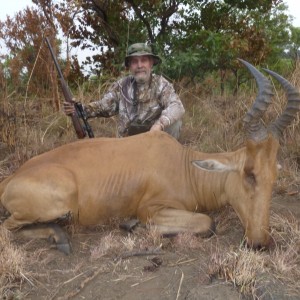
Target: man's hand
69,108
156,127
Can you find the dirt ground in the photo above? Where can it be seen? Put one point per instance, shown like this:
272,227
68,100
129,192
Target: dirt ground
108,263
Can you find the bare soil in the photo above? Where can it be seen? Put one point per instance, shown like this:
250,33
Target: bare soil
101,267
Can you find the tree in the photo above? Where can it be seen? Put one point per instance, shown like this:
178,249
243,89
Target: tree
196,37
294,49
111,25
22,38
193,35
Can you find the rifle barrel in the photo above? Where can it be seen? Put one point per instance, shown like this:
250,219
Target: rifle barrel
80,130
54,59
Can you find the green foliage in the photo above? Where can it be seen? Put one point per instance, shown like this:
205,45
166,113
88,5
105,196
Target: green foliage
194,38
294,47
283,66
190,35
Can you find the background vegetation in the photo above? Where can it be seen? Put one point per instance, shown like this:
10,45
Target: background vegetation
199,42
195,38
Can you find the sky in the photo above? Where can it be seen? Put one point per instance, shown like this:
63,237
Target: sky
294,10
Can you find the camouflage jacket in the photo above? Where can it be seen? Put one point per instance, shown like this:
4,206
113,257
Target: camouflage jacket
155,102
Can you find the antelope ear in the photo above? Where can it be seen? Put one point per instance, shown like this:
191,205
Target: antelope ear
212,165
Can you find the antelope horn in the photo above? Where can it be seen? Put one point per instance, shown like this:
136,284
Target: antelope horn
253,125
291,109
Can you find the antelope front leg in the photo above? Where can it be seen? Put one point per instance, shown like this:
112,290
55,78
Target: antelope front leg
169,221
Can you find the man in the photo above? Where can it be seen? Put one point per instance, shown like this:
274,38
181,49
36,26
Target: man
143,100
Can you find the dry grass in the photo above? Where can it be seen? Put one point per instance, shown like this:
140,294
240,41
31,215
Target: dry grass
240,267
188,241
248,270
285,259
116,245
12,265
107,245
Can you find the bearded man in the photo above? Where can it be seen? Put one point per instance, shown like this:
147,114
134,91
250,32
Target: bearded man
143,100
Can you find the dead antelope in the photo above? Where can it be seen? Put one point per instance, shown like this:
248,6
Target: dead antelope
153,177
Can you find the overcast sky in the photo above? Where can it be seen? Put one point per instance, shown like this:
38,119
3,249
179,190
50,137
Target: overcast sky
294,10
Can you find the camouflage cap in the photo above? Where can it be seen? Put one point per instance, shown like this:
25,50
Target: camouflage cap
140,49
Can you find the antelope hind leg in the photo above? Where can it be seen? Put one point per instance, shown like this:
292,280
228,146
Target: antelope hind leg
51,231
169,221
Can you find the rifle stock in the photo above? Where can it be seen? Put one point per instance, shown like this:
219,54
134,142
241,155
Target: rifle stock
81,131
75,119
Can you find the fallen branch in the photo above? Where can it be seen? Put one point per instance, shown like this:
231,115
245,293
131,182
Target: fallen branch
182,262
79,288
146,280
156,251
180,284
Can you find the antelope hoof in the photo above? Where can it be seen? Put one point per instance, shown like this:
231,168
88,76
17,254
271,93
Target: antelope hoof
65,248
129,225
60,238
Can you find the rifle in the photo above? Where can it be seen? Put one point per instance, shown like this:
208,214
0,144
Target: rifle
81,130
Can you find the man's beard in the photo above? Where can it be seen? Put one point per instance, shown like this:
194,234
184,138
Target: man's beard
142,77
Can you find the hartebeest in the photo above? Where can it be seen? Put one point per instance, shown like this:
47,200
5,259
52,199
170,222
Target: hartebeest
153,177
